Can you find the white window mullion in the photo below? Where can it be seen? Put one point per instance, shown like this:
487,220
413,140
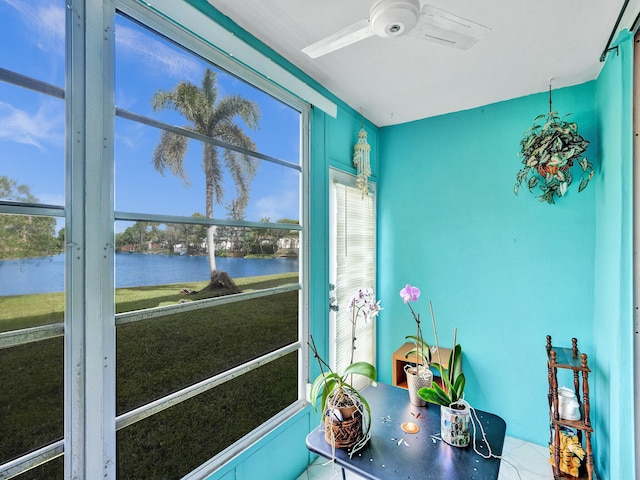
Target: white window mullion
89,323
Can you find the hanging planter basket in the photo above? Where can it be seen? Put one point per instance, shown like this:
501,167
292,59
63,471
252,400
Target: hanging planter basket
549,149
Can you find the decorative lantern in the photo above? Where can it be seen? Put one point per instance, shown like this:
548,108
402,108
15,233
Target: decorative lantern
361,152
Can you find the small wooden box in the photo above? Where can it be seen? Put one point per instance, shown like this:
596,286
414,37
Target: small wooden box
398,359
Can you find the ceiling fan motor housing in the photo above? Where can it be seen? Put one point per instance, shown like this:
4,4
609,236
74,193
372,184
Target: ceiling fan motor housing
391,18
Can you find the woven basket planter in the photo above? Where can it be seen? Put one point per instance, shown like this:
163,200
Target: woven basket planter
345,433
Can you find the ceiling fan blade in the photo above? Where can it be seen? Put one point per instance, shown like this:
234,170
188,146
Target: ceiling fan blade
448,29
351,34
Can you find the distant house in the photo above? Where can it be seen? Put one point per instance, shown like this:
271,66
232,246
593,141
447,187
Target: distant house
288,247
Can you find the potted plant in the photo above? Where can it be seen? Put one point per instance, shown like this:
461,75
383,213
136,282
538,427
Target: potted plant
345,411
548,152
455,414
420,375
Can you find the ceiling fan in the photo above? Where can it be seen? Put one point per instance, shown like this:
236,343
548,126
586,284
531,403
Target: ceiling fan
393,18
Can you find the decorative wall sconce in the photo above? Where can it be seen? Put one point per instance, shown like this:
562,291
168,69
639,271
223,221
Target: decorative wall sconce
549,149
361,153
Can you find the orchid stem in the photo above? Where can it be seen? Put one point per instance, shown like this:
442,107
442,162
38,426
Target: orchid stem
453,356
435,334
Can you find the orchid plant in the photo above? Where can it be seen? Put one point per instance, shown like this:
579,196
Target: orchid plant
453,380
423,351
362,303
337,390
451,394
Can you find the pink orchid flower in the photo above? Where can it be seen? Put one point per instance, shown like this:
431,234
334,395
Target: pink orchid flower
410,294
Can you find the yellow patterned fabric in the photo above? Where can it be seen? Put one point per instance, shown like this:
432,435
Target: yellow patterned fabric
571,454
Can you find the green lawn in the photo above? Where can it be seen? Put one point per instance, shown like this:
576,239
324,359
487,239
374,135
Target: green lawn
154,358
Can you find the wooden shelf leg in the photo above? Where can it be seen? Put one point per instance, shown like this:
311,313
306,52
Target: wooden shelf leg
556,414
589,458
587,416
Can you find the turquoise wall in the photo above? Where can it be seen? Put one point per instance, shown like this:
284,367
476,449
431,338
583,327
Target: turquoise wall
332,141
505,270
613,297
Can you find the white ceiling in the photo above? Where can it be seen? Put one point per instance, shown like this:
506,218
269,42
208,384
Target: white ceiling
398,80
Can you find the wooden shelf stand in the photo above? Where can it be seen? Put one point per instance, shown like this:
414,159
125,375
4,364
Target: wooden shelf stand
571,359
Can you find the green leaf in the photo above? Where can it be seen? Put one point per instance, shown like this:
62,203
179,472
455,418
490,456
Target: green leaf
324,383
431,396
547,197
325,394
528,142
424,353
583,164
446,380
361,368
583,184
422,348
417,341
545,157
457,362
435,394
458,388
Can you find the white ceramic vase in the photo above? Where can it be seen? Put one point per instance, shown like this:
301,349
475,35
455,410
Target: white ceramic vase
568,406
417,378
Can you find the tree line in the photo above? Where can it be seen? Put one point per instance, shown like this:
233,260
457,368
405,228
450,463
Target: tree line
189,239
24,236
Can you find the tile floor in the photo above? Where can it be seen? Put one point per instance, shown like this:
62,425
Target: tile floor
530,461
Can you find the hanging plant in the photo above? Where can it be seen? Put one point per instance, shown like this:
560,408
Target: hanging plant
548,152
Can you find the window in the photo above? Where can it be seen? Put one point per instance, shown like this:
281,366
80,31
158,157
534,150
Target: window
32,258
352,267
178,277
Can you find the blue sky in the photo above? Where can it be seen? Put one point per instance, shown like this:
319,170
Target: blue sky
32,124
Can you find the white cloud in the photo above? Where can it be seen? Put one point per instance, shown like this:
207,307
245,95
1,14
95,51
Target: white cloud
46,22
45,126
51,25
278,207
154,54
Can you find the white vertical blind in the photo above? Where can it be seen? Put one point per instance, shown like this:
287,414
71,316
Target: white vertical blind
354,258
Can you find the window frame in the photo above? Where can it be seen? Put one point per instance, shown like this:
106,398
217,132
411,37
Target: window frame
207,50
89,444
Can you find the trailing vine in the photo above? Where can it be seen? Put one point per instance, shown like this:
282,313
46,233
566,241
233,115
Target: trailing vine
549,148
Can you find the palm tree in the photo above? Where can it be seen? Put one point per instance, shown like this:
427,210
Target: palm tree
215,118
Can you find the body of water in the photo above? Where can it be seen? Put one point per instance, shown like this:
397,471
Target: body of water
46,274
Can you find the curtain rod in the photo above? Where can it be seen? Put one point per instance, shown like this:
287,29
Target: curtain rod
608,48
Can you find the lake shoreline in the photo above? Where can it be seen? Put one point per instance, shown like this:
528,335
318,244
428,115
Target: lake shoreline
46,274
